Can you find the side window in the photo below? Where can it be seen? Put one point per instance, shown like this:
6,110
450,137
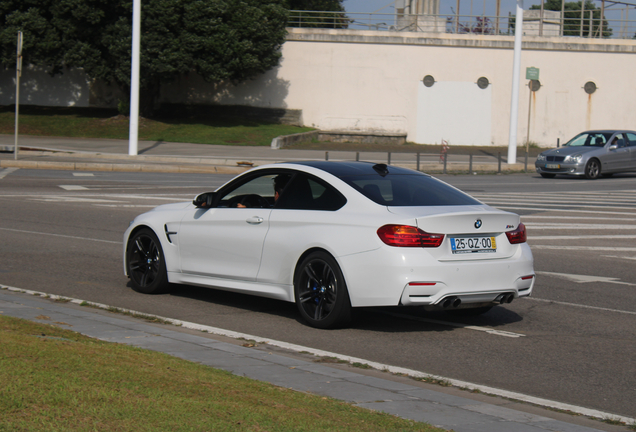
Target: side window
257,192
619,141
631,139
306,192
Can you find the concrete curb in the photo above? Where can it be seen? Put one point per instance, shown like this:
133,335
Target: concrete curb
206,168
117,167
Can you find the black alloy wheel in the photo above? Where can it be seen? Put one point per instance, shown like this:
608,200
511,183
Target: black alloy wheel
321,293
145,263
593,169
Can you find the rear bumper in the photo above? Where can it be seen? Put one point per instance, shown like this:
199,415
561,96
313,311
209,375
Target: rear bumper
411,276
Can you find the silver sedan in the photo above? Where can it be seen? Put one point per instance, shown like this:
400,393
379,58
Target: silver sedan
592,154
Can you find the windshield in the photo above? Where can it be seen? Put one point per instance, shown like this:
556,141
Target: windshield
408,190
591,139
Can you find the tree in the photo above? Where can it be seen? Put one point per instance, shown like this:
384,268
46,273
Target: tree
316,5
221,40
332,15
572,18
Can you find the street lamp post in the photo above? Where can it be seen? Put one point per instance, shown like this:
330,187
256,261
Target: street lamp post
133,133
514,102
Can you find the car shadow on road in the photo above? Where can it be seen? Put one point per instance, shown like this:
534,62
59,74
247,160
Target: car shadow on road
385,319
407,319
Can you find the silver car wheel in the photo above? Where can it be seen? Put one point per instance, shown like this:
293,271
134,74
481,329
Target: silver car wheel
593,169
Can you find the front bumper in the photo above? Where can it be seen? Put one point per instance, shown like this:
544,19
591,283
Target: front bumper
559,168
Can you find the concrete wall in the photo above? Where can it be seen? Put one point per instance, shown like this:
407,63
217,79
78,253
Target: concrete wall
372,81
354,80
39,88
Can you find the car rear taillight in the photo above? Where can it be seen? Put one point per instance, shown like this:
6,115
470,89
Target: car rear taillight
517,236
408,236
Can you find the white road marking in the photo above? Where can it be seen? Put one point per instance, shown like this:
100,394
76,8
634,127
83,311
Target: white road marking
453,324
583,237
378,366
5,172
524,217
79,174
73,187
620,257
561,210
585,278
565,226
567,203
125,205
61,235
581,306
584,248
71,199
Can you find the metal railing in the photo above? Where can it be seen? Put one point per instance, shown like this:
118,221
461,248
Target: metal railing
547,24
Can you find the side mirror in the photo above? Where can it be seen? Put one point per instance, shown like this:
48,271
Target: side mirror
204,200
613,147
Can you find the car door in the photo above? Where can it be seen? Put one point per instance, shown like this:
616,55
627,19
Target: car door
226,241
617,158
305,216
631,137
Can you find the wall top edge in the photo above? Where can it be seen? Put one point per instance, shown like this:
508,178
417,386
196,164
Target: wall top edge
455,40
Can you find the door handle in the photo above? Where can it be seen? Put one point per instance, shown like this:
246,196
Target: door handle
255,220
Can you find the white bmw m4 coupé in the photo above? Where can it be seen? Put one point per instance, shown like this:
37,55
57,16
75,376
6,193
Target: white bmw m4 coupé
332,236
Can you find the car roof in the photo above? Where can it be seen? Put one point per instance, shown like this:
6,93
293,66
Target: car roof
342,169
608,131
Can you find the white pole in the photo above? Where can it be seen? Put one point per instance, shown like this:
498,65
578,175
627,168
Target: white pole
134,80
18,73
514,100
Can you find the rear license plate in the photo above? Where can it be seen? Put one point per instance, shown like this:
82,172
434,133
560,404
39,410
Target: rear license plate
552,166
462,245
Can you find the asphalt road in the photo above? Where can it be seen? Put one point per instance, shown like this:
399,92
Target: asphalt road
573,342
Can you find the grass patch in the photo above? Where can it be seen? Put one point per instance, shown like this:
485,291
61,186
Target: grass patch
173,125
55,379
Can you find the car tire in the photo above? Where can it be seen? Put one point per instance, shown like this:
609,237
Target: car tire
471,312
593,169
544,175
321,293
145,263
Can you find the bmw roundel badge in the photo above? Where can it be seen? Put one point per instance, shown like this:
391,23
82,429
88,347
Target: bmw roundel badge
478,224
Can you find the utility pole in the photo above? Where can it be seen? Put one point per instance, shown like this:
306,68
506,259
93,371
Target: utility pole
497,12
514,102
133,132
18,73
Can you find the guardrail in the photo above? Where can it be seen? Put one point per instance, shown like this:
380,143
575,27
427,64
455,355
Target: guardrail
580,23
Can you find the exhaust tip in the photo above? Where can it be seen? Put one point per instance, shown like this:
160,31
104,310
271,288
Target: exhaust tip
451,301
504,298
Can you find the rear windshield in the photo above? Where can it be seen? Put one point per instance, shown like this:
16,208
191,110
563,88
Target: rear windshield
408,190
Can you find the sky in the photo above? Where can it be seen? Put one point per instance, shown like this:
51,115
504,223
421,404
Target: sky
386,6
613,13
478,6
